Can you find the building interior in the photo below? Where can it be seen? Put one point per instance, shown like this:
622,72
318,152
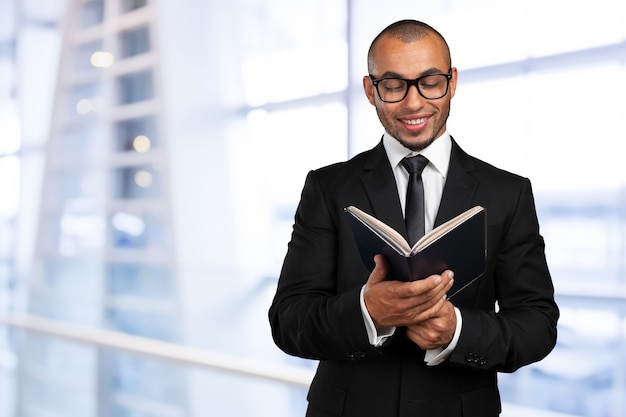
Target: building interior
148,186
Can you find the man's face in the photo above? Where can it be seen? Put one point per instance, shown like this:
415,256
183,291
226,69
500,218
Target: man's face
415,121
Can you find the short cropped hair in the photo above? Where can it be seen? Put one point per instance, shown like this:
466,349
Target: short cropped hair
407,31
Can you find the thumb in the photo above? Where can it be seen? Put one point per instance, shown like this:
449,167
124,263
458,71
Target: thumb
379,273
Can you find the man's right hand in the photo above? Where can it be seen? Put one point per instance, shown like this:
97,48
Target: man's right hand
393,303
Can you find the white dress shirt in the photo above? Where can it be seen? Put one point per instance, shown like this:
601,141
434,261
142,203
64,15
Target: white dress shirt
433,178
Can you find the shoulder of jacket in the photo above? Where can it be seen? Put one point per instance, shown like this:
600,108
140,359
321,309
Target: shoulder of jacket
354,164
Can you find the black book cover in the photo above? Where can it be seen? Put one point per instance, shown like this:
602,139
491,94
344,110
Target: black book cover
459,245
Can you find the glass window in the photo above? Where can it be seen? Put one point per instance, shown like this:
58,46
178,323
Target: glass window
73,232
144,379
7,268
135,87
605,22
291,50
138,134
142,323
74,378
136,231
266,81
69,288
136,182
82,142
10,127
151,281
272,193
581,215
92,13
80,232
128,230
585,238
84,55
130,5
50,353
75,185
9,186
134,41
84,100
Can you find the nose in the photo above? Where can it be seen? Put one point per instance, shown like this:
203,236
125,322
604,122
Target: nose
413,98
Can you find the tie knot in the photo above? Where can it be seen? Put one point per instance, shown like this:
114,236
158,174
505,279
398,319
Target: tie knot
415,164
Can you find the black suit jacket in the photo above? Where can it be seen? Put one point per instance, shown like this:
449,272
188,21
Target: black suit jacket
316,313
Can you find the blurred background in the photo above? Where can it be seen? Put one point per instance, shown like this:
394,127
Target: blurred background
148,185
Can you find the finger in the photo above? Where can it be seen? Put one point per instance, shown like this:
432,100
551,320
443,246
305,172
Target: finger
379,273
420,338
428,310
424,339
447,283
436,331
431,287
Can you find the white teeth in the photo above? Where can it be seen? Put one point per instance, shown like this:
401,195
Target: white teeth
414,121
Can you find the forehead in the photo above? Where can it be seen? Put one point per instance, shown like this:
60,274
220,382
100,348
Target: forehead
410,60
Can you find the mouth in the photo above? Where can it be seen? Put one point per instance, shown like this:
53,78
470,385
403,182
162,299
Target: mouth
415,123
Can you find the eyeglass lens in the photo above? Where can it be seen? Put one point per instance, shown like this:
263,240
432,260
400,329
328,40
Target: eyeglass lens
430,87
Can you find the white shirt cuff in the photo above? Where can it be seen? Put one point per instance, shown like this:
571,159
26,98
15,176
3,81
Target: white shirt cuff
437,356
376,336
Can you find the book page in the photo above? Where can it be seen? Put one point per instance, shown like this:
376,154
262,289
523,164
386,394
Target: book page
386,233
444,228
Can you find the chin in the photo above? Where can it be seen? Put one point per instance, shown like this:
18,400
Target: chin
416,146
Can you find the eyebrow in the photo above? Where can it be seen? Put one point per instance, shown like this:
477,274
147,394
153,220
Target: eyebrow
430,71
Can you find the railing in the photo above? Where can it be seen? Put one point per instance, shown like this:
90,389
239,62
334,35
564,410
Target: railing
193,356
163,350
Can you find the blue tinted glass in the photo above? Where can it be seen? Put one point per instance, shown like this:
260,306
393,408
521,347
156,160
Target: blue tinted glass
127,131
156,325
145,280
83,99
130,5
84,53
92,13
80,142
135,87
136,182
134,42
136,231
73,184
145,378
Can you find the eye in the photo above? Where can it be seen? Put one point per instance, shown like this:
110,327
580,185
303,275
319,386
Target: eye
432,81
393,84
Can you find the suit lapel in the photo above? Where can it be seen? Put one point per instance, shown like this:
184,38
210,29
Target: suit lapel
382,193
381,190
459,187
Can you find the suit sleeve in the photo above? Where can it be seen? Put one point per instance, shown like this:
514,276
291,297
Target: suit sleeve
523,330
310,316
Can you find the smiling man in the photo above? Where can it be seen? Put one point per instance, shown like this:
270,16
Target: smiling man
390,348
415,117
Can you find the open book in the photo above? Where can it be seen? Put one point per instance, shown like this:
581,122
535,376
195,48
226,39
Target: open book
459,245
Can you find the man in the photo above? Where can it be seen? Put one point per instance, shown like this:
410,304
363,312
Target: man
392,348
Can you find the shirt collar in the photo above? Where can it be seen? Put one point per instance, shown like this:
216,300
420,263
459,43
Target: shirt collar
438,152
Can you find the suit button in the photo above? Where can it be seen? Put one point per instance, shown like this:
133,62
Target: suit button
357,355
476,359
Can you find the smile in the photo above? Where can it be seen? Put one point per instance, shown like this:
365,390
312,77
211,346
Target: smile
414,121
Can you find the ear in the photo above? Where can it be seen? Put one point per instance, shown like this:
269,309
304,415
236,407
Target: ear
453,81
369,89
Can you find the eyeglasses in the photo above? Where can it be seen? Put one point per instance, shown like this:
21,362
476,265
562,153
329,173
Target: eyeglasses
431,87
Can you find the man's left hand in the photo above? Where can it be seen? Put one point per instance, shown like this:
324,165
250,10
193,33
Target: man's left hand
435,332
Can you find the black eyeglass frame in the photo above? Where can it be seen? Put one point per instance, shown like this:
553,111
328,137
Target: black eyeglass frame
410,83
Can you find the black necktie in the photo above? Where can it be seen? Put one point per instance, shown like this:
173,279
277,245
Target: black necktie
414,209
